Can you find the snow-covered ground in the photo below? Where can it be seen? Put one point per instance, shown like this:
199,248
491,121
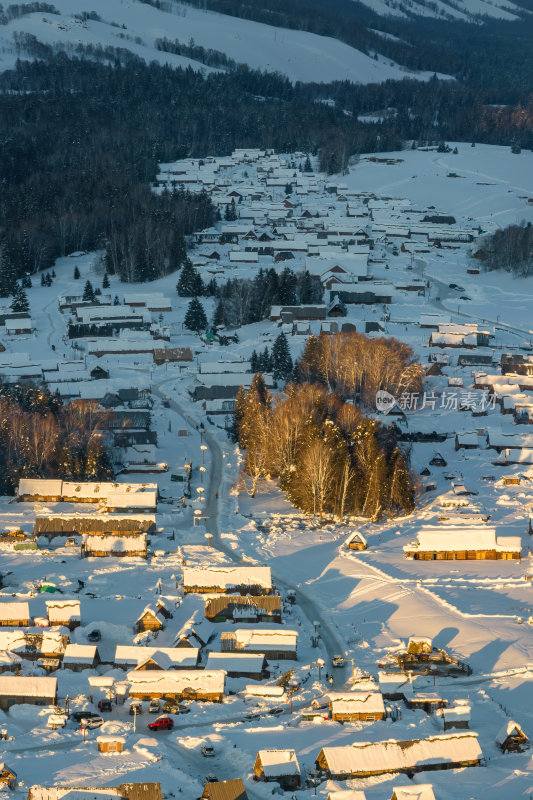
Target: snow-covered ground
363,604
135,26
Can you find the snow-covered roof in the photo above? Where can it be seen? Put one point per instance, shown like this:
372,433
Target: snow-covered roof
393,755
80,654
510,728
40,486
114,544
448,539
457,713
357,703
14,611
27,686
356,535
279,762
110,738
61,610
254,638
236,662
175,681
225,577
423,791
347,794
264,691
133,655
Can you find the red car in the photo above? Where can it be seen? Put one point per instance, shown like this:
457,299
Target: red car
162,723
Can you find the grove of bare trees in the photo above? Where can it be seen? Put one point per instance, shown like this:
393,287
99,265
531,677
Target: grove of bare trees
326,456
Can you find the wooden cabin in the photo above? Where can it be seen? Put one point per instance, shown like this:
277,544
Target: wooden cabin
33,690
14,615
122,791
356,706
194,684
136,657
244,608
78,657
356,541
448,543
365,759
95,524
275,645
110,743
125,546
8,777
511,738
148,621
224,790
278,765
64,612
163,609
456,717
227,579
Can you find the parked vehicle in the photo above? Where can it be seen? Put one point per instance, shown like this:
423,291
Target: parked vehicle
77,716
171,708
105,705
210,778
155,706
94,636
208,750
275,712
136,708
337,661
161,723
252,715
92,722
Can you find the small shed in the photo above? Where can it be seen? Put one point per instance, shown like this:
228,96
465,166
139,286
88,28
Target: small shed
239,665
457,717
511,738
356,541
278,765
110,743
8,777
148,621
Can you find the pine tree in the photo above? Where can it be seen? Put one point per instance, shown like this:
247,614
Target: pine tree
20,302
254,362
195,318
116,301
287,288
281,358
8,281
265,361
230,214
190,283
88,292
76,273
288,188
105,282
307,166
48,279
218,316
238,415
43,280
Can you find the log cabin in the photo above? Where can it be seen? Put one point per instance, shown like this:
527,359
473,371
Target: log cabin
64,612
110,743
8,777
78,657
275,645
511,738
259,608
224,790
463,544
14,615
32,690
125,546
177,685
356,706
148,621
226,579
278,765
356,541
365,759
123,791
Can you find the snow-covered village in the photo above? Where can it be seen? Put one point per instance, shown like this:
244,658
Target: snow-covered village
195,604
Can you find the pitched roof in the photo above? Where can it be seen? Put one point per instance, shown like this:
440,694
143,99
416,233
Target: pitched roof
278,762
225,790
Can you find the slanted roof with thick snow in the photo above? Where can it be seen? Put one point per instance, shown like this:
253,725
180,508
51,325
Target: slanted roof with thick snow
14,611
253,638
175,681
80,654
510,728
446,539
357,703
27,686
423,791
227,576
114,544
236,662
394,756
279,762
60,611
133,655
